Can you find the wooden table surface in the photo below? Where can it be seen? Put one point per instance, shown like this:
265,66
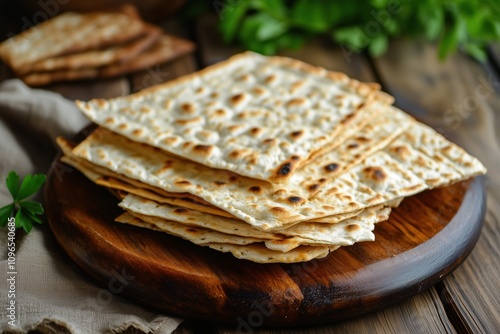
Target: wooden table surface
459,97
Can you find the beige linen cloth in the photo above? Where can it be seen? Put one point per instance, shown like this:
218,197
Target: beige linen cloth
52,295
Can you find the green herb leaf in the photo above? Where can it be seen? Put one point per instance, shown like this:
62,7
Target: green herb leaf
378,46
5,214
231,17
30,185
476,51
26,212
12,183
459,24
23,221
33,207
33,218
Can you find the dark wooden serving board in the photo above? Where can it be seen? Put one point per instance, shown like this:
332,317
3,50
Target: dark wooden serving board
425,239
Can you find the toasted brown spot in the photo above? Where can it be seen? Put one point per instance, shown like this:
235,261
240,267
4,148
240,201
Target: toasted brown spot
187,107
420,161
220,112
237,99
165,167
219,183
361,105
376,199
437,157
168,104
353,145
402,151
270,79
101,103
447,148
183,183
200,90
187,121
252,161
109,120
187,144
314,187
236,154
413,188
295,157
233,179
258,91
285,169
296,199
255,131
181,211
295,102
234,127
331,167
352,227
214,95
362,139
296,85
137,132
278,210
206,149
347,118
328,207
322,180
468,164
375,173
244,77
122,126
269,141
255,189
297,134
243,115
170,140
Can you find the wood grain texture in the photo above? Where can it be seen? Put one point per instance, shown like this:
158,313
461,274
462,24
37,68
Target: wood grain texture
426,238
461,97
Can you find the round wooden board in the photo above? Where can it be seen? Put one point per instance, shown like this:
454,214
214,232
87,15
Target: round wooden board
426,238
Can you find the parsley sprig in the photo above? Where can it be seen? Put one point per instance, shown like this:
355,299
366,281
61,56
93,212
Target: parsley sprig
267,26
26,212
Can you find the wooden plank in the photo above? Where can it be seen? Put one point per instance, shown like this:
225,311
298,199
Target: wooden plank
461,98
411,316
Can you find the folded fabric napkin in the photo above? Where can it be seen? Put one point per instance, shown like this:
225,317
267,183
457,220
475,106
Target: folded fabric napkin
51,294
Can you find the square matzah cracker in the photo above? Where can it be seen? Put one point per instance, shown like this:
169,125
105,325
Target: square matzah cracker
256,116
69,33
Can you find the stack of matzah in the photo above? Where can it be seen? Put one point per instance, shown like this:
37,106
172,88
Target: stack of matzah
268,158
74,46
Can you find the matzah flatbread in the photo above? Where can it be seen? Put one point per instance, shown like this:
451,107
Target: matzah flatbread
165,48
257,116
255,252
334,233
97,58
151,166
68,33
